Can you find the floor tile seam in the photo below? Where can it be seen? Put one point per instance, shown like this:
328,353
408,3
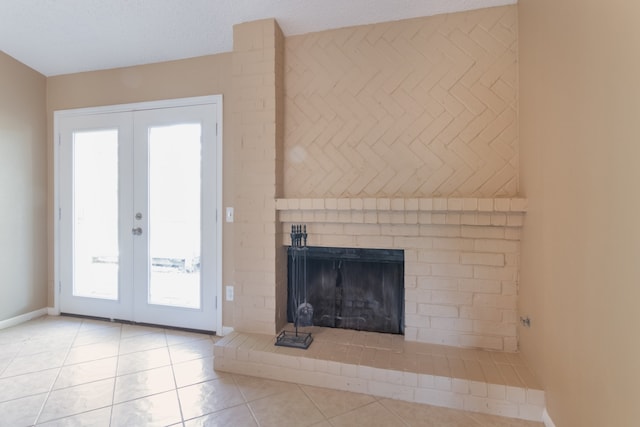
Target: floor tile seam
100,358
244,396
23,397
187,342
97,342
85,383
38,353
248,401
525,382
64,365
476,422
144,349
134,336
509,383
13,356
37,356
90,337
302,386
382,400
38,422
184,344
377,401
113,392
187,360
11,359
253,414
30,373
184,420
53,383
182,362
175,385
114,378
144,396
137,370
178,388
116,374
115,404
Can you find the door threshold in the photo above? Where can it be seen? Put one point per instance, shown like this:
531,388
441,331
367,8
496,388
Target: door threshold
129,322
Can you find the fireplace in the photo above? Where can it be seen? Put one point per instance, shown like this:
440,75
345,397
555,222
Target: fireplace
461,259
352,288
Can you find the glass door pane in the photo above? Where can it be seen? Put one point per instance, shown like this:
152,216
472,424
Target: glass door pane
174,215
95,214
175,193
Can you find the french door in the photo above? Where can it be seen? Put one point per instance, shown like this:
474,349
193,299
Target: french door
137,227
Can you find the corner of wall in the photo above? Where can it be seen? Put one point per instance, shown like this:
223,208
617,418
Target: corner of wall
23,182
532,280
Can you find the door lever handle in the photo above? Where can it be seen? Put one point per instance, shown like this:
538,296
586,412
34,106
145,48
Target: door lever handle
136,231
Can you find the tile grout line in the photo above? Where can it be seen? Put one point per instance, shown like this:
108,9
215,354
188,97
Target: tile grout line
173,375
44,403
115,378
244,397
22,343
300,386
395,413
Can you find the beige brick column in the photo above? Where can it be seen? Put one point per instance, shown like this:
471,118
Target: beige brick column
256,70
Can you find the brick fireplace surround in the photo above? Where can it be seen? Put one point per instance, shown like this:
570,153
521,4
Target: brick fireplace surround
461,259
461,280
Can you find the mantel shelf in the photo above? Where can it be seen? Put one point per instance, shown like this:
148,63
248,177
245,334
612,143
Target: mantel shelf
438,205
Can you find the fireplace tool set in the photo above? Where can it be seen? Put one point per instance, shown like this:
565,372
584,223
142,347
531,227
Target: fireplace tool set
301,310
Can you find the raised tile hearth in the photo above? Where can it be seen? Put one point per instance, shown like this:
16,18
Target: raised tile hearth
386,365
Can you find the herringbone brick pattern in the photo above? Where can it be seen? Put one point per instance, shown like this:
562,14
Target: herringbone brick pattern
416,108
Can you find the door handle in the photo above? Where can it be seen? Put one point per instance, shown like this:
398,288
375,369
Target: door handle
136,231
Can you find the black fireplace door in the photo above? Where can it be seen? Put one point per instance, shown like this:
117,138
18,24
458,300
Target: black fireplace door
361,289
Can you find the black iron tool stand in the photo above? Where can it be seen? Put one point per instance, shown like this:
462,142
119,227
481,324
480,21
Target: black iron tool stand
300,308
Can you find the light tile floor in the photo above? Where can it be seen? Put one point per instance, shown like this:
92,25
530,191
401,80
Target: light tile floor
62,371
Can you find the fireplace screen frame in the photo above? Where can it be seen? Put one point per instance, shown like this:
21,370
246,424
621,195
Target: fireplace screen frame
375,305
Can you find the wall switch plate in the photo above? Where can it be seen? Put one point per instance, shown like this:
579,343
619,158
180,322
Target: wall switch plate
229,295
229,215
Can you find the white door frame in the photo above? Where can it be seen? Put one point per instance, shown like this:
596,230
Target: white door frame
179,102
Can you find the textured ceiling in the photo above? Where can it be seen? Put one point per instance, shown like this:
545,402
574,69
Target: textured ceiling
66,36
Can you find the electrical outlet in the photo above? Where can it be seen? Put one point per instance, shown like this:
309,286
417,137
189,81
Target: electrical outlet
229,293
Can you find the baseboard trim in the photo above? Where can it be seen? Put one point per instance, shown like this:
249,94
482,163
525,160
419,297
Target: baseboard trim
52,311
22,318
226,330
546,419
